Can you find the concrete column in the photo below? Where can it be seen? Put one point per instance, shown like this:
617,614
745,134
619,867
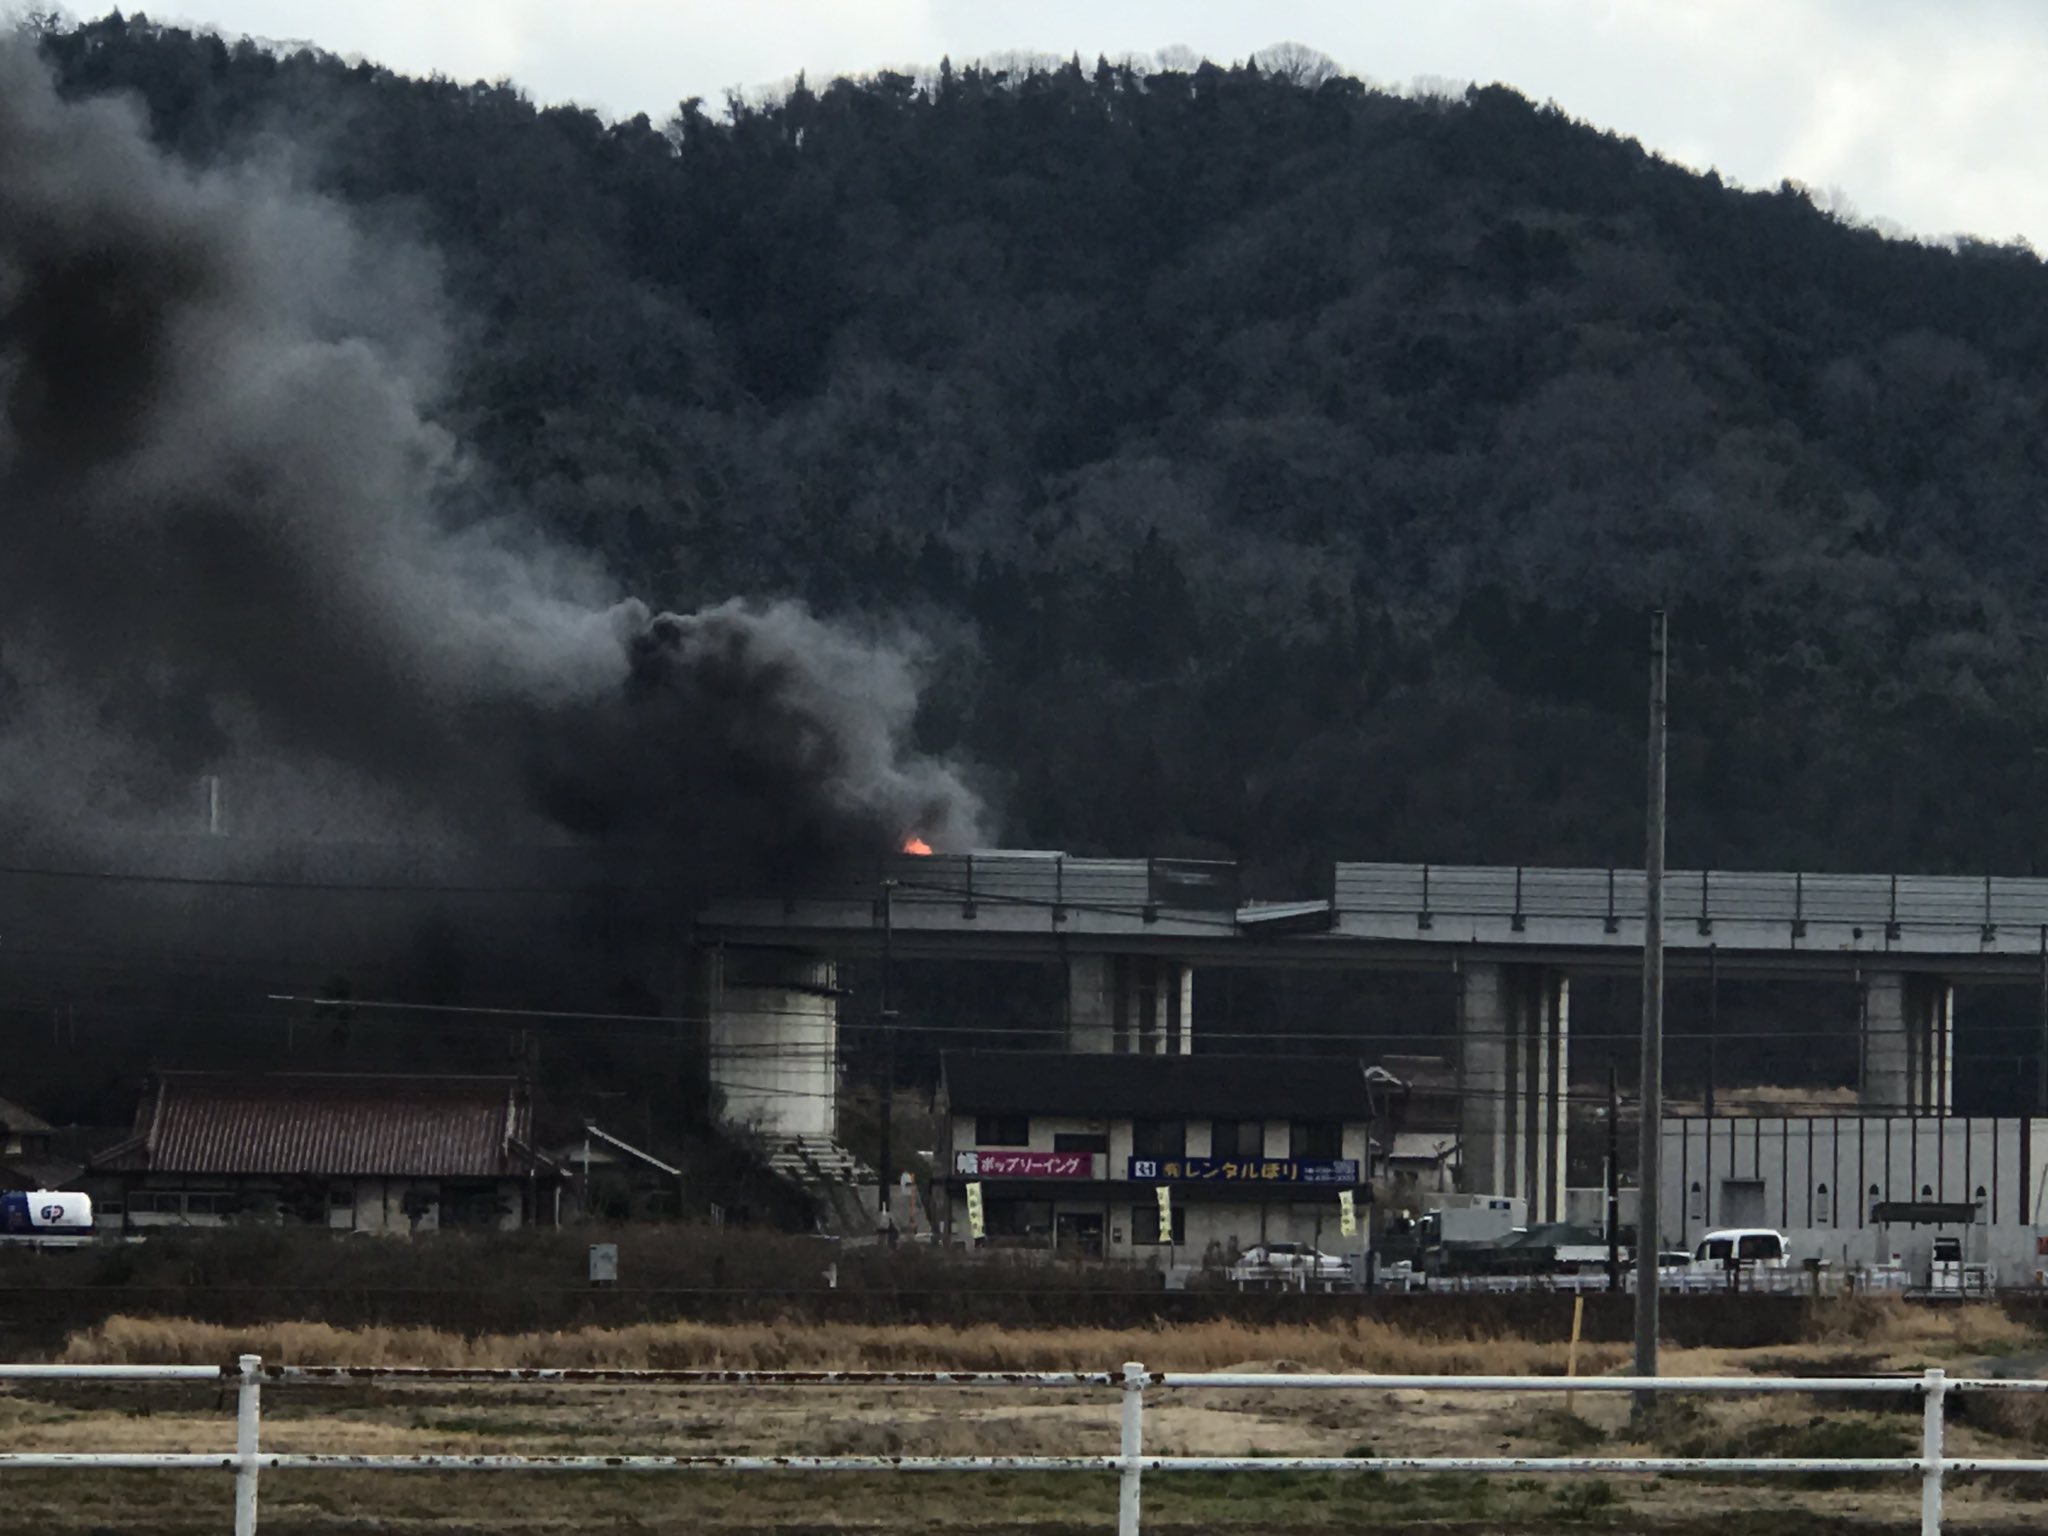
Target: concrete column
1180,1025
1092,1004
1485,1100
1553,1021
1515,1066
1937,1007
1135,1004
774,1040
1908,1052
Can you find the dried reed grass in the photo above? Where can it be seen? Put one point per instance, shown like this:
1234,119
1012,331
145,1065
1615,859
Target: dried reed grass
1355,1344
1890,1323
1881,1327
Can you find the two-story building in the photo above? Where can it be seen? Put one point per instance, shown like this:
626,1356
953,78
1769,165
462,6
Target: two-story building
1071,1148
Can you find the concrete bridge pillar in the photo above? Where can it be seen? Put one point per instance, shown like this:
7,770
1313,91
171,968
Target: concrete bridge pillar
773,1037
1908,1055
1515,1072
1139,1005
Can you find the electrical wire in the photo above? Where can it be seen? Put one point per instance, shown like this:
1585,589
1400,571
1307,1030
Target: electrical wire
356,1008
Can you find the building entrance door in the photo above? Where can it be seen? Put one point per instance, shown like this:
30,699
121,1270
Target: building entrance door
1078,1232
1742,1203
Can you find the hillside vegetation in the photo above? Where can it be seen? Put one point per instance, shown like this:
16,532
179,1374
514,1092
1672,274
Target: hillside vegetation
1277,467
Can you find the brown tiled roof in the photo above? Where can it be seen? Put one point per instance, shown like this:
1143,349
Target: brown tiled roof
284,1124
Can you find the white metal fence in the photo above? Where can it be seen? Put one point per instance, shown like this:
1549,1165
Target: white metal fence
1868,1280
248,1461
1970,1280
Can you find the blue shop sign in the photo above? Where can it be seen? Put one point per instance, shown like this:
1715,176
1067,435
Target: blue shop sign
1244,1170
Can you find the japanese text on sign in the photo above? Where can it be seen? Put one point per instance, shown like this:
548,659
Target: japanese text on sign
1244,1170
1024,1165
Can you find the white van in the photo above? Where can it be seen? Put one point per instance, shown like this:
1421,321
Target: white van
1749,1247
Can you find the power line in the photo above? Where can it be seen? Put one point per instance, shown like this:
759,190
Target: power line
356,1010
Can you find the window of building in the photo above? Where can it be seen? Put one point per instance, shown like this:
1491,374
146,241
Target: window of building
1080,1141
1145,1225
341,1197
1020,1220
1002,1131
472,1205
183,1204
1696,1203
1159,1138
1823,1206
1237,1138
1317,1138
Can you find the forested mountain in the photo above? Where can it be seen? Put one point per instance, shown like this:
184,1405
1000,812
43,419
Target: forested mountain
1276,467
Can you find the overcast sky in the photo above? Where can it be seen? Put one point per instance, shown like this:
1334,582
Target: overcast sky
1929,113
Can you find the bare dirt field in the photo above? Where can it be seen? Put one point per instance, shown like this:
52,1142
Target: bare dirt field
1843,1338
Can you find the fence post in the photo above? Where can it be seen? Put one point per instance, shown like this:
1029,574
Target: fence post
248,1416
1130,1446
1935,1388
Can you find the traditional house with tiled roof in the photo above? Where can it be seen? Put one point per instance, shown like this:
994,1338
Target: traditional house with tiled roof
354,1153
29,1158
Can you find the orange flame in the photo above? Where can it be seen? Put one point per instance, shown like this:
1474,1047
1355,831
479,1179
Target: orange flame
917,845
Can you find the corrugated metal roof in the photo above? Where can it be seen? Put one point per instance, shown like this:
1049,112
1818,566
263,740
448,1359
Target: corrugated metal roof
1423,1146
419,1127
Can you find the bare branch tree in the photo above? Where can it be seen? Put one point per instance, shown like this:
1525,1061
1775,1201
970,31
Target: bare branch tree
1298,64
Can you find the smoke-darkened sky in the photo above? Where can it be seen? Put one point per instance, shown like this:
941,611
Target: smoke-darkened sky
1928,115
238,544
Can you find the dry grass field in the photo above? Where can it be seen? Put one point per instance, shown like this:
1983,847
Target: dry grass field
1851,1337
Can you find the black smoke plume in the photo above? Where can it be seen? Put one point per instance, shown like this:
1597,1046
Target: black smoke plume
235,542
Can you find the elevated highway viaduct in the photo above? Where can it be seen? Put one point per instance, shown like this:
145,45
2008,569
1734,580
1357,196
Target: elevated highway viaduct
1130,932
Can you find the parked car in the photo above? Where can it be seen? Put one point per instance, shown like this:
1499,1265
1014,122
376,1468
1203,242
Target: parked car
1286,1265
1745,1247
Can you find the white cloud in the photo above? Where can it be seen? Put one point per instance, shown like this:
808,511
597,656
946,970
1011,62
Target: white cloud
1927,114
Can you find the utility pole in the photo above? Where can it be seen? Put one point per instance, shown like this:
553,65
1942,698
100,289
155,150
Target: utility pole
1713,1022
1648,1233
2041,1045
885,1209
1614,1177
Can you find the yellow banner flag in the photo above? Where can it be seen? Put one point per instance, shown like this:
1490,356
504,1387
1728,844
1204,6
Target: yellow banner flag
1165,1214
975,1229
1347,1213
